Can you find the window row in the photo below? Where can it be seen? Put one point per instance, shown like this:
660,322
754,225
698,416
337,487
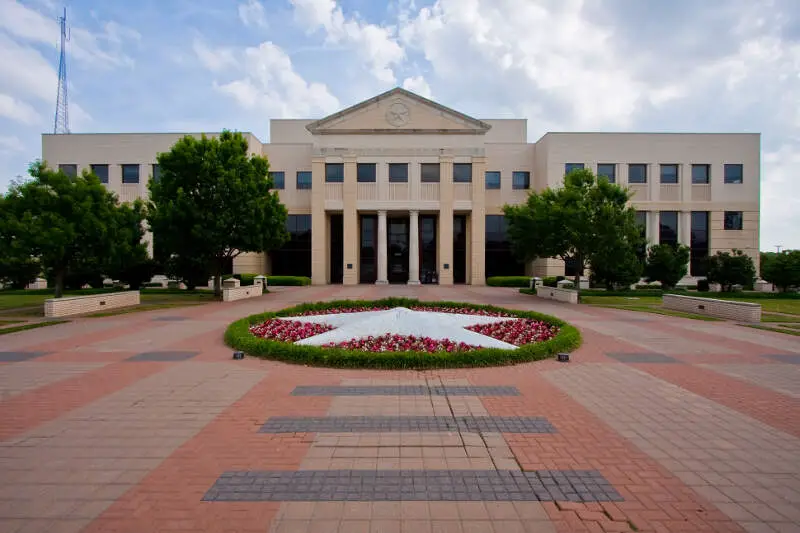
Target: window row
398,173
130,172
637,172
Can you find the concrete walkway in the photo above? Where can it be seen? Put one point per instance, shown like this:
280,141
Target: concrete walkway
143,423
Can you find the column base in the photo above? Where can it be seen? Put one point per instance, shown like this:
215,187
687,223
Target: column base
413,282
381,282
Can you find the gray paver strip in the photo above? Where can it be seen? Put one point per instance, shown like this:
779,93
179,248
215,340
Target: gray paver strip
74,467
625,357
413,485
789,359
404,390
19,356
167,355
747,468
20,377
654,340
352,424
781,378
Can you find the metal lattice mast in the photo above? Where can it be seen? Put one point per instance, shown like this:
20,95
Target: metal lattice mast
61,124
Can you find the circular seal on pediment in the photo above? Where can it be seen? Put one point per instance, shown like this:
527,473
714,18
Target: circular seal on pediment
398,114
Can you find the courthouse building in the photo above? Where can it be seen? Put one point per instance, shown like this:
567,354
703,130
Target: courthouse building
401,189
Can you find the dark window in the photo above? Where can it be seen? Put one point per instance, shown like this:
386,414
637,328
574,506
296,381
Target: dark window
462,172
669,173
156,173
429,172
428,248
500,260
520,179
569,167
334,172
336,248
368,273
366,172
69,170
398,172
701,174
130,173
609,170
668,228
734,173
699,243
571,268
294,257
303,179
641,220
101,171
278,179
733,220
492,180
637,173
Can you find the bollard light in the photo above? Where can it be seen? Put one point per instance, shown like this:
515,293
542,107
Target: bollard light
563,357
238,355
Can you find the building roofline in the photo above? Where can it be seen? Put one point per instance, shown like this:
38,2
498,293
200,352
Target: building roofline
143,133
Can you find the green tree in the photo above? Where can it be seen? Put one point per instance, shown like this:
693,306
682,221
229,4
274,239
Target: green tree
617,268
17,266
128,261
586,221
61,220
666,264
729,269
783,269
214,201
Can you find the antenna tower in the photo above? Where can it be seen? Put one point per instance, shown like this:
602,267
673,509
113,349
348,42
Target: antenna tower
61,124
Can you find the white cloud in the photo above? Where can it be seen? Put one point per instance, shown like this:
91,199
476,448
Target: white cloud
24,73
417,84
271,85
10,143
780,196
252,14
17,110
216,59
376,45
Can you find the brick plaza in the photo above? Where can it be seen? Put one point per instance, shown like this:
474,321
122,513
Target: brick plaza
143,423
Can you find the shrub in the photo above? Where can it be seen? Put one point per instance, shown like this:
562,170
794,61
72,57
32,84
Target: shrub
648,287
151,284
666,264
287,281
528,291
730,269
238,336
245,280
508,281
702,285
550,281
639,293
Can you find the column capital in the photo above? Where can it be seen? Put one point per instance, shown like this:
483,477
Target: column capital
381,212
414,212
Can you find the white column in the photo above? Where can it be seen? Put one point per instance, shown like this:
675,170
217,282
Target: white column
413,247
685,228
382,259
653,226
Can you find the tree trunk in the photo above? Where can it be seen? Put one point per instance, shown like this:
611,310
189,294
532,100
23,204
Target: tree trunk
59,288
218,279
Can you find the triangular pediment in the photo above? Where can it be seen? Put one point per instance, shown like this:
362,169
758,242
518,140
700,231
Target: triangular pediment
398,111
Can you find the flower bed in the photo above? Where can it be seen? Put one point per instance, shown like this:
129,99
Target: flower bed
537,337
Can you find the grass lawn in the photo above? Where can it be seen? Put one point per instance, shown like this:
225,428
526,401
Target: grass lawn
776,329
14,329
9,322
772,317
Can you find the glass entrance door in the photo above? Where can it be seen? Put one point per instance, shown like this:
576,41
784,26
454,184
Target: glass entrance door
460,249
427,246
397,229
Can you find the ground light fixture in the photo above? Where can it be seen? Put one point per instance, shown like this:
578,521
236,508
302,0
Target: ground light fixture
563,357
238,355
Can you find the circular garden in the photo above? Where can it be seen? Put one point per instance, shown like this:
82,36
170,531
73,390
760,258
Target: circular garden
401,333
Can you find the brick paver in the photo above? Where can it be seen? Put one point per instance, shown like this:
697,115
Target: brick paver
657,424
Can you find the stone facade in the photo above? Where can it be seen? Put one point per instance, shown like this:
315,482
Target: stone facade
94,303
399,188
732,310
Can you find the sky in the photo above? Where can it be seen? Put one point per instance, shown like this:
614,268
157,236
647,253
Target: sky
565,65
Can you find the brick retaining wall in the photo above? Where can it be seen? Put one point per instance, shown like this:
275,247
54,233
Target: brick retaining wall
93,303
562,295
240,293
732,310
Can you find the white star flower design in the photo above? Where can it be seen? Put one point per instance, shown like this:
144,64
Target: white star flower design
402,321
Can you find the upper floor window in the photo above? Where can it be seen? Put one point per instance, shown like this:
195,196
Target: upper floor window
520,179
701,174
669,173
303,179
607,170
429,172
101,171
462,172
733,220
398,172
334,172
69,170
130,173
733,173
569,167
637,173
366,172
156,172
492,179
278,179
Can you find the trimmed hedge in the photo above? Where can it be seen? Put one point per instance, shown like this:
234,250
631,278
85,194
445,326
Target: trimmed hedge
238,336
288,281
508,281
528,291
70,292
637,293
